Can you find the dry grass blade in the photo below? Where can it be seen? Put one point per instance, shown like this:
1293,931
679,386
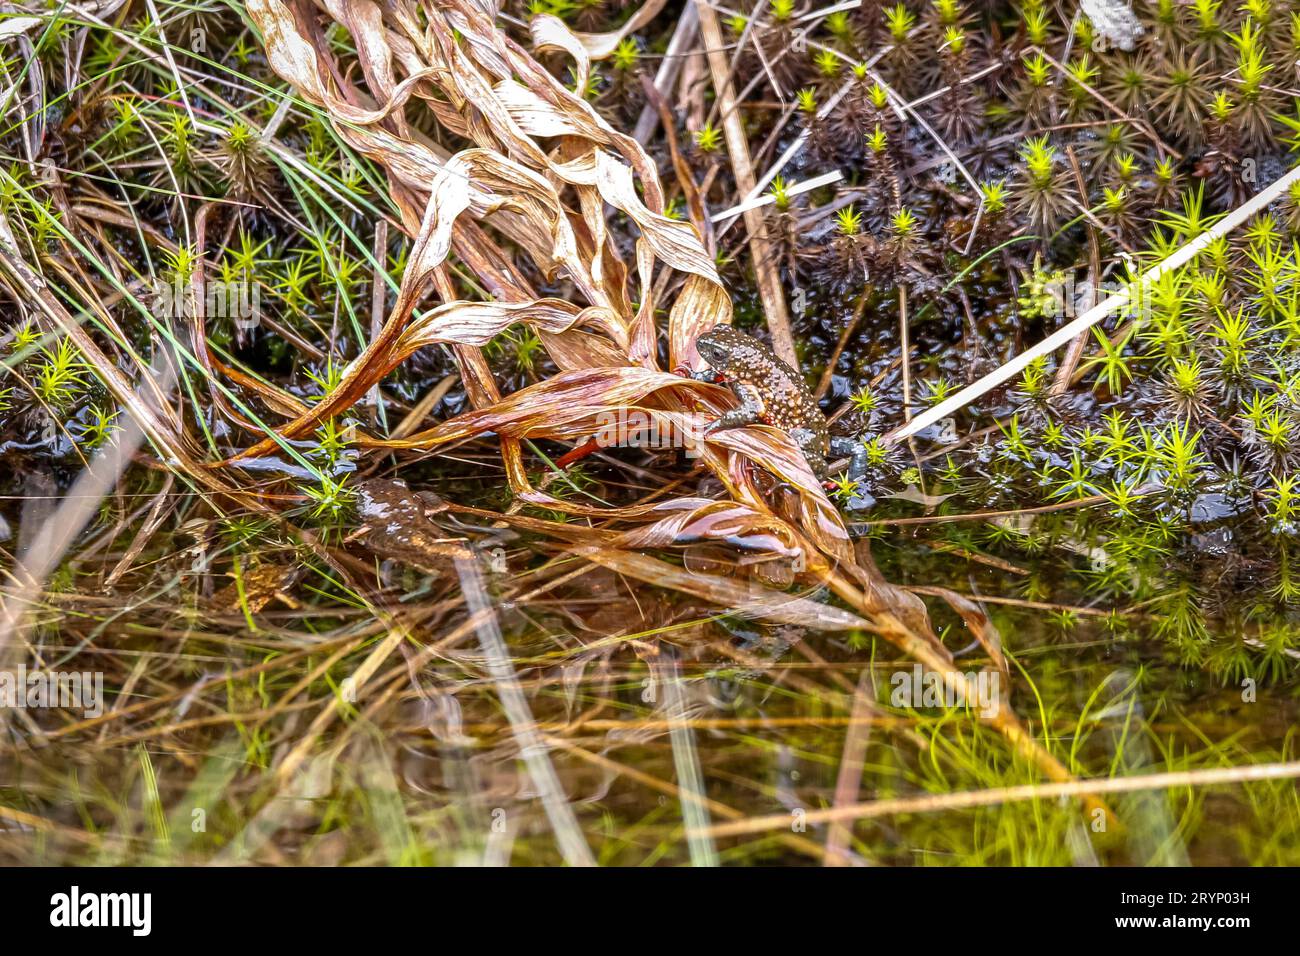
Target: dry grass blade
849,777
686,760
148,408
741,597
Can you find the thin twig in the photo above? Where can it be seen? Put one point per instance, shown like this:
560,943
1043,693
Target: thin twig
828,374
1075,351
1147,129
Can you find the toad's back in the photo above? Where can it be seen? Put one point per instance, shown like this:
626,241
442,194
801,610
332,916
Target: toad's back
787,403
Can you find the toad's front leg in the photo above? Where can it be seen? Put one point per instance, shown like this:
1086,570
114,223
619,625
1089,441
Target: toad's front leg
749,411
712,376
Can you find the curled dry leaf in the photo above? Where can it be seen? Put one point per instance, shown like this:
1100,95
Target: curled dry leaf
548,203
538,170
601,45
541,169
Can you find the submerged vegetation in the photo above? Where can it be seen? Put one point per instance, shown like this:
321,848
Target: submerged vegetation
309,320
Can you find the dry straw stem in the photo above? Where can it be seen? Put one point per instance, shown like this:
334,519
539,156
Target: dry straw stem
770,291
852,761
906,636
808,185
823,112
967,799
532,750
669,69
790,152
686,760
1094,315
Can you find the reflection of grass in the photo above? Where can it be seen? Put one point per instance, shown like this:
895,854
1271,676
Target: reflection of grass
382,788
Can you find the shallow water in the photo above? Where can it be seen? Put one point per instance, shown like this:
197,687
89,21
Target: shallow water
641,698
